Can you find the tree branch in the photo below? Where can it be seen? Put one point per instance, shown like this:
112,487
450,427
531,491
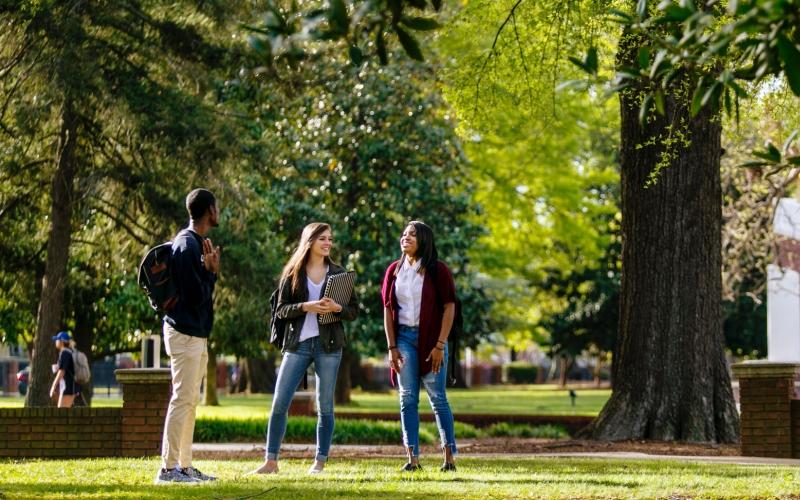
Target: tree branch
492,51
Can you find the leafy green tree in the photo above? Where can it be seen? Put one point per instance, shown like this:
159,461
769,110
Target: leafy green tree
670,198
97,85
366,156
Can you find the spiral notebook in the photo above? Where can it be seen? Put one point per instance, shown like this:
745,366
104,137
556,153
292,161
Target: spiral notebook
340,289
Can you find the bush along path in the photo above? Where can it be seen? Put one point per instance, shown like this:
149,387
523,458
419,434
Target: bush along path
348,431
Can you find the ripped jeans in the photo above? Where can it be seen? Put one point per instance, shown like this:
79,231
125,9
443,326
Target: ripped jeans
408,386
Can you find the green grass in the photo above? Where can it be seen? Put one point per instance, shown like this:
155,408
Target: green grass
517,477
503,400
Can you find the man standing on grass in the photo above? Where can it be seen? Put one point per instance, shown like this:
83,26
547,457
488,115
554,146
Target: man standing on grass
194,267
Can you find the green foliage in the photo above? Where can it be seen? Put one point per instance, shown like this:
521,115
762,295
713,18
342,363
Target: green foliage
749,41
291,32
148,132
543,159
504,429
521,372
347,431
302,430
358,151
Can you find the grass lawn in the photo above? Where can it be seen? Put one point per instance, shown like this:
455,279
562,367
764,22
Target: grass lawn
508,400
378,478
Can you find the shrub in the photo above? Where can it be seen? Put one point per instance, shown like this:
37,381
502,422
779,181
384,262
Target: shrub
521,372
504,429
304,429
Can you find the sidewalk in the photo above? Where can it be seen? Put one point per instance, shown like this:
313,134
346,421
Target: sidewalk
257,449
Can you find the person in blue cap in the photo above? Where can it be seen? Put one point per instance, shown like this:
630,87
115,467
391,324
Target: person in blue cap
65,373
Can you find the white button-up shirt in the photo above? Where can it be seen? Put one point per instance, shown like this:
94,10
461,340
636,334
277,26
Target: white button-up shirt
408,287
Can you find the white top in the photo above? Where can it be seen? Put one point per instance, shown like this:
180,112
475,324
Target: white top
311,326
408,288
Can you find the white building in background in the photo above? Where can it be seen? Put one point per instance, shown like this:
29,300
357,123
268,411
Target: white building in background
783,286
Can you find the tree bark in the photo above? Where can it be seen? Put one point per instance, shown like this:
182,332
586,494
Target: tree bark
344,380
670,375
598,369
563,369
257,375
49,315
211,398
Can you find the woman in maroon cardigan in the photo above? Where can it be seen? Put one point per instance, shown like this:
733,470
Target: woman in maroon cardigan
419,298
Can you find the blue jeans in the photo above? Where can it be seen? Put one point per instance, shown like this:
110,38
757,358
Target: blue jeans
409,381
293,368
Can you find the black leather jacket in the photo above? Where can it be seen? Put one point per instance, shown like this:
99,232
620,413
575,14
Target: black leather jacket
289,308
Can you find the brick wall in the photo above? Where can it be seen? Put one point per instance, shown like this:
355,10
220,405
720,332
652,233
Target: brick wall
144,408
795,428
768,409
134,430
766,422
60,432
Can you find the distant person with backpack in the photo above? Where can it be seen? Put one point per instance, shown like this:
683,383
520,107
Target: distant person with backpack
194,265
419,300
305,339
64,383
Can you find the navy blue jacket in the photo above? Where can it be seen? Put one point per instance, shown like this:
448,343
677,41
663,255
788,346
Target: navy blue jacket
194,313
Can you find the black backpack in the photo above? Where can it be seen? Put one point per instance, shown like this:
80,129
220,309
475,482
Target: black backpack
277,326
156,280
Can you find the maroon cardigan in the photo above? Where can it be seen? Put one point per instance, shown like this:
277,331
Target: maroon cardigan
435,294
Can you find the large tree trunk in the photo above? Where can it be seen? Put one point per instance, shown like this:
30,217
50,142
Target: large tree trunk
211,379
48,319
671,380
344,381
257,375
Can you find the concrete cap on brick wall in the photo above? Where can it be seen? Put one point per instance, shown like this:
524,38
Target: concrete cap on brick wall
143,375
762,368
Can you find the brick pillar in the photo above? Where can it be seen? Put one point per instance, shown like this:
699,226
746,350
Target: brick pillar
766,390
303,404
145,397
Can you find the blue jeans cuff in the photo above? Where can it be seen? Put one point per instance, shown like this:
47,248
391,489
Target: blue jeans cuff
272,456
321,458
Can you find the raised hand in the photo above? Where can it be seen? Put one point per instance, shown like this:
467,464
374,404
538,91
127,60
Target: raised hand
211,256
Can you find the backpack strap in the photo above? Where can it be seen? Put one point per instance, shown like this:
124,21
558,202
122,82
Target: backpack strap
72,355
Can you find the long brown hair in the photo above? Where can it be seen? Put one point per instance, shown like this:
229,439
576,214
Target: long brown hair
296,267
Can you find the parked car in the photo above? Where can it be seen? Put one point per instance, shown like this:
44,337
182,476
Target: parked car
23,377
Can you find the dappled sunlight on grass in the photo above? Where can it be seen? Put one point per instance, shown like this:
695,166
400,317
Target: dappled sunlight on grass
376,478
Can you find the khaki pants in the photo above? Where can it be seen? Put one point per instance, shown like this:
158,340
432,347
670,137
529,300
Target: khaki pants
188,357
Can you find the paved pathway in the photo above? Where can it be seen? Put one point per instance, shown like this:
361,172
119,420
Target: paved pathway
618,455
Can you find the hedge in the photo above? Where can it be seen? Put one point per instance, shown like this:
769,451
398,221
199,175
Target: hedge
303,430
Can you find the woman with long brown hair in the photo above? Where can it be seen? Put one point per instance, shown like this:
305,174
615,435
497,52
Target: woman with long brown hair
307,341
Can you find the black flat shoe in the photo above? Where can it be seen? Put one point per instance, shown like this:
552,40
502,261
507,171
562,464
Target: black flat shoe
448,467
409,467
